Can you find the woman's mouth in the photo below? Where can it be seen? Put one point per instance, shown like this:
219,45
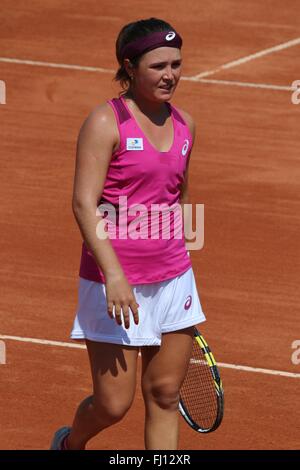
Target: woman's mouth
166,88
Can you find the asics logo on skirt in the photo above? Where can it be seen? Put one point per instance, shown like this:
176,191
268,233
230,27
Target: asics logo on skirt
188,302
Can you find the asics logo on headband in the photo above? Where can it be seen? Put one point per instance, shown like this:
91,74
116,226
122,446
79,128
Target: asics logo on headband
149,42
171,35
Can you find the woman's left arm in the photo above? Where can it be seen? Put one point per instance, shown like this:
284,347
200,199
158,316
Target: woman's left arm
184,192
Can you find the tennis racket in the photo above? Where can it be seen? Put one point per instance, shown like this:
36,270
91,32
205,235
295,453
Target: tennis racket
201,395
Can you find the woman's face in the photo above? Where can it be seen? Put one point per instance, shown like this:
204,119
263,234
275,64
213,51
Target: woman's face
158,73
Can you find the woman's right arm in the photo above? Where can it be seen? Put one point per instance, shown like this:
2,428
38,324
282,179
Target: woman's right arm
97,138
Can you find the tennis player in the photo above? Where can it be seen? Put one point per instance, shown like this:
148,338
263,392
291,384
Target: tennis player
136,293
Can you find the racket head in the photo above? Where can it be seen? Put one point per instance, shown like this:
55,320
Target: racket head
202,396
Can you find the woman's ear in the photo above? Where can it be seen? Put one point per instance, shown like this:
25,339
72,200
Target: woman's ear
128,67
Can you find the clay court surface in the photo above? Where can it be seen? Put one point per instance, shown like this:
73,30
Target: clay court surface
244,168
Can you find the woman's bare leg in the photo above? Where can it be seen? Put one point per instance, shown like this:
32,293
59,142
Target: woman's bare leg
163,372
114,378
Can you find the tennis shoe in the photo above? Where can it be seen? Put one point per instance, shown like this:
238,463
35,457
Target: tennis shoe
58,438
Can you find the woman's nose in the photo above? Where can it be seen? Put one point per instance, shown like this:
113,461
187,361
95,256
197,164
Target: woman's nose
168,74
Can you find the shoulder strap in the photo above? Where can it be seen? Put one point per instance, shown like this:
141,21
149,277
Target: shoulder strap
121,110
176,114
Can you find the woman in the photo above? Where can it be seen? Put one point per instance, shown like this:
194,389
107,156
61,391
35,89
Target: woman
135,293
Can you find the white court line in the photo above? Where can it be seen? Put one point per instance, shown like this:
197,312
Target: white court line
243,60
82,346
246,84
54,65
259,370
102,70
43,341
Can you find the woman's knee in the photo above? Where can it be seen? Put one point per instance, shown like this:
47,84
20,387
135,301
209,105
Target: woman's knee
165,393
111,409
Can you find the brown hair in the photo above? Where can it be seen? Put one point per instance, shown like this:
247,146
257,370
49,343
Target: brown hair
129,33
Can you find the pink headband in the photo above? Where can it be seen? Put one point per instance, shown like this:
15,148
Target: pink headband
150,42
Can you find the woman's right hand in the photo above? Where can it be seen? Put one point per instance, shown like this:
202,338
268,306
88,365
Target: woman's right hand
120,298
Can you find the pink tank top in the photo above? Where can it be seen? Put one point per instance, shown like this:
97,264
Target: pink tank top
145,176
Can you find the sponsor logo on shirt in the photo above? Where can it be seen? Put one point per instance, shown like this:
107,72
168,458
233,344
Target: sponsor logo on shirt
134,143
188,302
185,147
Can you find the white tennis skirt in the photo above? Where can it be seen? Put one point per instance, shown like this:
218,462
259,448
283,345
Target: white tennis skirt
163,307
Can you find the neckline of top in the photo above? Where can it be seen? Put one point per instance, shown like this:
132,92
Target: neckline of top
145,136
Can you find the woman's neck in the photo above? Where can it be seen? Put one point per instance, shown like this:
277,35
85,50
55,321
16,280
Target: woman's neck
145,106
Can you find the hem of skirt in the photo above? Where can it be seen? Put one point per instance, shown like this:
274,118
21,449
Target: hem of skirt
184,324
115,340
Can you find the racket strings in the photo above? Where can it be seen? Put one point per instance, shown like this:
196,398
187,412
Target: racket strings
198,391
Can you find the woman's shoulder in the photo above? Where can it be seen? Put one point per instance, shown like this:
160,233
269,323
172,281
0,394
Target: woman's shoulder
101,124
188,120
101,114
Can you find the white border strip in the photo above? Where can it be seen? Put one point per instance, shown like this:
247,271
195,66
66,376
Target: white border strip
243,60
82,346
